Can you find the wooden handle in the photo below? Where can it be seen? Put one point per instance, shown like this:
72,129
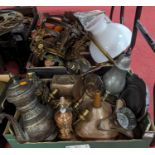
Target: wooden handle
4,77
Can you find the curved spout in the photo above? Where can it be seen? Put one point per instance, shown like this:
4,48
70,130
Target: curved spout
19,133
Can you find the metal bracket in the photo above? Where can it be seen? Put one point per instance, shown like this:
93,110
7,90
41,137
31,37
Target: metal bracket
139,27
122,9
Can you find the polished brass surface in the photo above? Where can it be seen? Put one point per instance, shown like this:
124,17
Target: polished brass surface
82,116
52,95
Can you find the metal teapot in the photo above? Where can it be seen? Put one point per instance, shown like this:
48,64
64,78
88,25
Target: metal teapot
87,124
36,119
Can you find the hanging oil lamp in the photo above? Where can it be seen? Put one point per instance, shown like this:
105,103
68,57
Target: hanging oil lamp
63,118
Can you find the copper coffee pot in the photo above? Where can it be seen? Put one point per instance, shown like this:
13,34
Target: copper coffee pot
88,127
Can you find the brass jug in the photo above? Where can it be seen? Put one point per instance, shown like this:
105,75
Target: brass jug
36,119
88,128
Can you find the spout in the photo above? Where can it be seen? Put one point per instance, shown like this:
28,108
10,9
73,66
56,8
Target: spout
19,133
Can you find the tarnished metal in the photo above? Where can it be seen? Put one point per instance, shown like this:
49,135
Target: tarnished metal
37,122
9,19
126,118
64,84
77,66
63,37
42,43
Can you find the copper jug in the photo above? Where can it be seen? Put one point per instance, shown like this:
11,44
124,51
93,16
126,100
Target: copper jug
88,128
36,119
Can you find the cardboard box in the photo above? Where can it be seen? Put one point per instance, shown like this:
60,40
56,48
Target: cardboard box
144,142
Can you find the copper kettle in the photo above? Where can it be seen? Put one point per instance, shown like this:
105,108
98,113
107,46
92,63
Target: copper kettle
88,128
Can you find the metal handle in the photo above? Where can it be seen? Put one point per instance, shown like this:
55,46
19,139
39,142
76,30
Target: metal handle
111,12
134,33
146,35
138,26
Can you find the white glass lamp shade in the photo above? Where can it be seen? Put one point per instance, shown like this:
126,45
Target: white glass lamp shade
113,37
